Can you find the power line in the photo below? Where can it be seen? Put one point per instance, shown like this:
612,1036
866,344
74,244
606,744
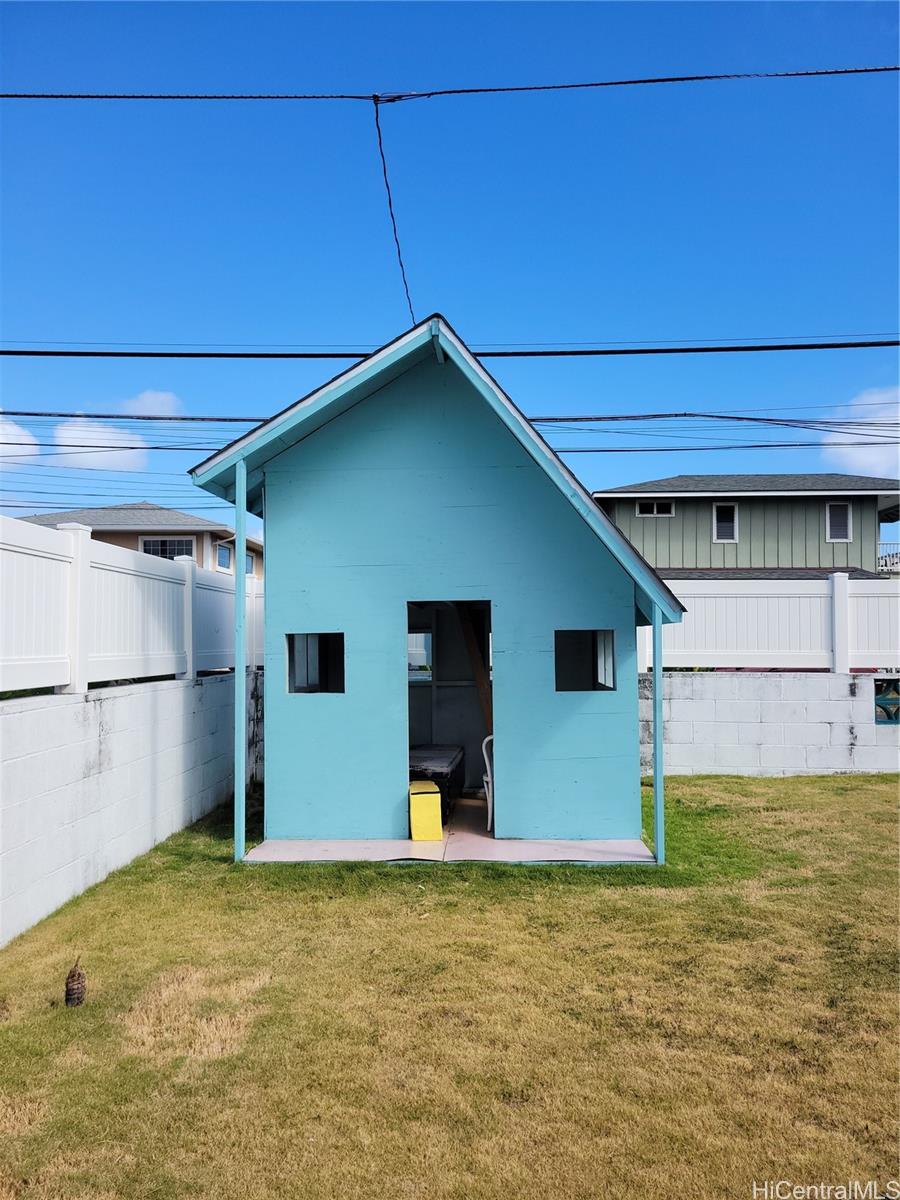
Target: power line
130,417
390,203
50,507
594,352
603,352
572,422
771,337
434,93
95,448
39,459
735,446
823,423
660,79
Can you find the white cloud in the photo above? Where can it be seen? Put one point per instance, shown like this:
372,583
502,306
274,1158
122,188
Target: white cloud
79,434
146,404
25,452
873,404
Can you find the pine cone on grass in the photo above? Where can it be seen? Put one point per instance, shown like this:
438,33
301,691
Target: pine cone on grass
76,985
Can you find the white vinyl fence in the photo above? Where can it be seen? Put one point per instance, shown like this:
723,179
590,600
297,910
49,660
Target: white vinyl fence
839,624
75,611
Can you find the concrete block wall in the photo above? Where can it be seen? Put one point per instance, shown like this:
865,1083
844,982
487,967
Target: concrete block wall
89,782
768,723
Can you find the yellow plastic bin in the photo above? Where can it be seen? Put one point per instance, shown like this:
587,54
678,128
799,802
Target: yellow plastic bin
425,811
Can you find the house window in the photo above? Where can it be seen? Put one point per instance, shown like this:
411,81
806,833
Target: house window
223,557
418,657
585,660
655,508
838,522
168,547
725,523
248,564
315,662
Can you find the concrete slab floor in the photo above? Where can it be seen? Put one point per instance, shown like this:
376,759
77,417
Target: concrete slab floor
466,840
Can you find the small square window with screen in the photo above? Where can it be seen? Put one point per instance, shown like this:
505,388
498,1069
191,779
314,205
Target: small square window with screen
315,662
585,660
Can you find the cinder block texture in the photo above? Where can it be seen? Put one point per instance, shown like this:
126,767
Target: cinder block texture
89,782
768,723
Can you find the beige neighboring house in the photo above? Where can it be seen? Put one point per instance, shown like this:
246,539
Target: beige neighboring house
165,532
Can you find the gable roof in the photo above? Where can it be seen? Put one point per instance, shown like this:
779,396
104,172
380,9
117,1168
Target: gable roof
431,337
727,485
134,518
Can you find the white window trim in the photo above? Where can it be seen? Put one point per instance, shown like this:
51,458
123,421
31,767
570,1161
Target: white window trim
828,508
726,541
224,570
169,537
638,513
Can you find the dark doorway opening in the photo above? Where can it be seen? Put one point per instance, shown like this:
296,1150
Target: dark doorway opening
450,696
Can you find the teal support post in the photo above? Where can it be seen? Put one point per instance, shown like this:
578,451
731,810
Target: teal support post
240,659
659,816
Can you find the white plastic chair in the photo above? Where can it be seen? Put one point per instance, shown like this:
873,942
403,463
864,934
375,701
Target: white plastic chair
487,750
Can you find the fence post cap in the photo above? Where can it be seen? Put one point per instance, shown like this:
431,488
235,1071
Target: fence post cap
74,525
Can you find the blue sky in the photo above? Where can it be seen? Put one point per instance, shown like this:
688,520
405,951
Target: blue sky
700,212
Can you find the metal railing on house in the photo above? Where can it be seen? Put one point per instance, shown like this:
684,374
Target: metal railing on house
889,558
77,611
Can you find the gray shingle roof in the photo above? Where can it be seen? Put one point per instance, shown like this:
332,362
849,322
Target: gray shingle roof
130,517
725,485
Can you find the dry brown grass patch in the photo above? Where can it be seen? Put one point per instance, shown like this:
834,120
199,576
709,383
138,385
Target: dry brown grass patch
20,1115
188,1013
73,1058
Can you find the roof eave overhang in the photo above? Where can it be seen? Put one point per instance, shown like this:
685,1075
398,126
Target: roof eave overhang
216,473
650,587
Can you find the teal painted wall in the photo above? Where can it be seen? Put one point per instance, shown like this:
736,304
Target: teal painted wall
420,493
773,532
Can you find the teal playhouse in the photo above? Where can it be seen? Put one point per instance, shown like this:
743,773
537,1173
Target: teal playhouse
449,622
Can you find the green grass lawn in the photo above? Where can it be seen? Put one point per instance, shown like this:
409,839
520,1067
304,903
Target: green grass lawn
472,1031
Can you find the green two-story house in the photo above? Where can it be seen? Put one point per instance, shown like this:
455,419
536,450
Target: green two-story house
759,526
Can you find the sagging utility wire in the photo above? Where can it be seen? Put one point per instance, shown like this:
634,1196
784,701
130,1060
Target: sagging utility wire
376,101
845,424
434,93
114,447
595,352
